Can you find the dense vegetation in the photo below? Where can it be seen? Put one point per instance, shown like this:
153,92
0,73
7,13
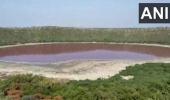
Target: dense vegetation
58,34
151,82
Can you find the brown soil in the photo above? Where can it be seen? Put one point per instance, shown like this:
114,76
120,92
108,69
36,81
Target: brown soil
43,97
16,93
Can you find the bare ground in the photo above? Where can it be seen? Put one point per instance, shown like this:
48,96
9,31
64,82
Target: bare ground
73,70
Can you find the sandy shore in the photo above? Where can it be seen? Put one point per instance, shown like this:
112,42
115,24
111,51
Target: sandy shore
74,70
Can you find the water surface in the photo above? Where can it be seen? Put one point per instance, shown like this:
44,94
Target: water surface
52,53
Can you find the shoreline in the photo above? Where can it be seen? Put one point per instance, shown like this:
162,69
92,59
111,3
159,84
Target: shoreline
75,70
41,43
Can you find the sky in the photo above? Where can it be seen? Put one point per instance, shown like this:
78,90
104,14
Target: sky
73,13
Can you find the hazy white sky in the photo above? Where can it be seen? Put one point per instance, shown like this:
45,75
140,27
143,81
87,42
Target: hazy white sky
73,13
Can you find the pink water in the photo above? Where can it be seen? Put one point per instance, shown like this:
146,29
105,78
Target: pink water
52,53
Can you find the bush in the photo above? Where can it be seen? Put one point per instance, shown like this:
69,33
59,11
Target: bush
151,81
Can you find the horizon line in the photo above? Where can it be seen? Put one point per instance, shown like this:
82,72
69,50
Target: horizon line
45,26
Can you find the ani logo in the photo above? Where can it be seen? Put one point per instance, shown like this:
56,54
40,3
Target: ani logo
154,13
